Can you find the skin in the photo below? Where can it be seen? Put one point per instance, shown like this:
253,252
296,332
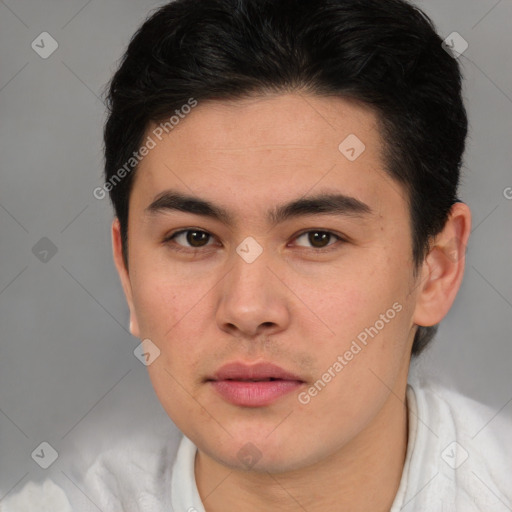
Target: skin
297,305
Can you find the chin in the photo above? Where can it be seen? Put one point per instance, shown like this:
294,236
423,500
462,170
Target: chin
261,454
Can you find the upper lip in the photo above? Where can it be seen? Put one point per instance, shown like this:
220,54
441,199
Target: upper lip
258,371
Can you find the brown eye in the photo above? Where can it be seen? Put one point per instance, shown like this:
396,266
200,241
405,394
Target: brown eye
191,238
197,238
317,239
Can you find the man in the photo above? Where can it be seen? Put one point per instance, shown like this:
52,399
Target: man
288,235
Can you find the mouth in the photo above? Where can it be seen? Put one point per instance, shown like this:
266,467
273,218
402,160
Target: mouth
255,385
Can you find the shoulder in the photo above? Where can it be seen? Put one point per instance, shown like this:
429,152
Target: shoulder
449,410
48,496
132,475
466,444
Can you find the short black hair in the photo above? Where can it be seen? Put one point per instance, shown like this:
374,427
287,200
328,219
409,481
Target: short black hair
383,53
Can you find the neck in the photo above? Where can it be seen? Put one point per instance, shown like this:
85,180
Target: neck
362,476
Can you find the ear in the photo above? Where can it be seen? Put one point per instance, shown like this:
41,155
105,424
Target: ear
443,268
117,251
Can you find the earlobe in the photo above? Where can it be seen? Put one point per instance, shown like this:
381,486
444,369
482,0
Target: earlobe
443,268
124,276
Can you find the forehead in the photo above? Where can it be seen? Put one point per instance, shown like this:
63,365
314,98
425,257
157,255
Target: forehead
267,148
286,121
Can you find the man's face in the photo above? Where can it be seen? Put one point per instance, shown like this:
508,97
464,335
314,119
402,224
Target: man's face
333,282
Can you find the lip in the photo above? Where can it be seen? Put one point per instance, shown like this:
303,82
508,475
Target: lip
254,385
258,371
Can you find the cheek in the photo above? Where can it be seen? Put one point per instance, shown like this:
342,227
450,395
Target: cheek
157,307
174,315
160,297
346,301
368,306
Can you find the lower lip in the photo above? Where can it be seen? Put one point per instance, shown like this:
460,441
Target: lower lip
254,394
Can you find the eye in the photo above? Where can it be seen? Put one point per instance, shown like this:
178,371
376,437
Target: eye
192,238
317,239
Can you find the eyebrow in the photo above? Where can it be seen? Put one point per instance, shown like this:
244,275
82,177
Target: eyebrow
323,204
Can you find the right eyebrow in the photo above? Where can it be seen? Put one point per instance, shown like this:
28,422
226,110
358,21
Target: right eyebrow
173,200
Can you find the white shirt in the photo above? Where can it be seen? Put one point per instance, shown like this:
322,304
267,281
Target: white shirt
459,459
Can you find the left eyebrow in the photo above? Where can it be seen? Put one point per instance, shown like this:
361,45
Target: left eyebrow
321,204
324,204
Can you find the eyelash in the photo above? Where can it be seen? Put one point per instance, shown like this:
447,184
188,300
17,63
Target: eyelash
176,247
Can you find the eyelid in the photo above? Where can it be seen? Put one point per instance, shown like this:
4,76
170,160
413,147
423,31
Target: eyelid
171,236
338,236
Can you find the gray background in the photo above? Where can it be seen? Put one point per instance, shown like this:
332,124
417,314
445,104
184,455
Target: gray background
68,375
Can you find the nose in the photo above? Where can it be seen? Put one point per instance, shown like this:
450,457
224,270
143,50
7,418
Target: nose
252,301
